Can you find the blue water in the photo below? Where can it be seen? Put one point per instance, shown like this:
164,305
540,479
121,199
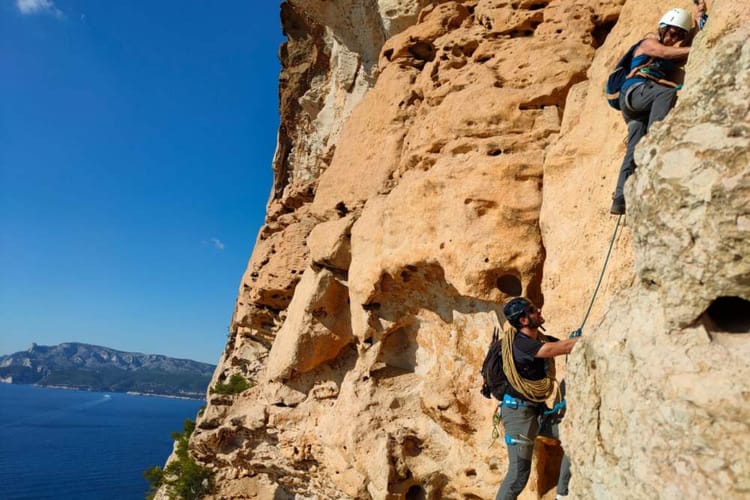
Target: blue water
60,444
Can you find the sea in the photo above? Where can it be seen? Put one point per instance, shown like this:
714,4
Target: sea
67,444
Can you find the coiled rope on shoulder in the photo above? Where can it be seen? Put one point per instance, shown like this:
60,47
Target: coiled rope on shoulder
533,390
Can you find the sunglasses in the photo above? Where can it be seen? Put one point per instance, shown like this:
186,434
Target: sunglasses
675,33
531,310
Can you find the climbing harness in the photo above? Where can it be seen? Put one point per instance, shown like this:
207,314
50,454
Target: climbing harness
579,331
509,401
559,406
553,415
509,440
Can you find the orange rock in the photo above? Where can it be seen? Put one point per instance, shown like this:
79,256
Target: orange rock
432,164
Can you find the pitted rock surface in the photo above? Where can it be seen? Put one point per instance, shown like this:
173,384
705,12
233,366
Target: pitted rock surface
435,159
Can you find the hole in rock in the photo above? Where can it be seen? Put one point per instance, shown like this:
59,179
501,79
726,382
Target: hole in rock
510,285
470,47
423,51
729,314
537,6
341,209
601,31
412,446
415,493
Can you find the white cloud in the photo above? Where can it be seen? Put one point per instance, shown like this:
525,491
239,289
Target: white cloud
29,7
217,243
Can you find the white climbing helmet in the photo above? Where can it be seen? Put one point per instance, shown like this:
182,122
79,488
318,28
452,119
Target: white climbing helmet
679,18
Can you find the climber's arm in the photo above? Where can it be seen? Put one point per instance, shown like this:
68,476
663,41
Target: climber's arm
653,48
552,349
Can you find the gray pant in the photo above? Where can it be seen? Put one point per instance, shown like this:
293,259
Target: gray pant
641,106
564,479
522,424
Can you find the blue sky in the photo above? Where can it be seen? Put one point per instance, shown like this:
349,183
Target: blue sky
136,141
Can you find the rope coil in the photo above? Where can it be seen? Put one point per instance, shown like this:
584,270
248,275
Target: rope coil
532,390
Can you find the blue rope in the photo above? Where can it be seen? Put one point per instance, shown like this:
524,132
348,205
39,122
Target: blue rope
578,332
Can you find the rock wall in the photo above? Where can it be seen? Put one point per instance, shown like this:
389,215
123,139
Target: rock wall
435,159
662,399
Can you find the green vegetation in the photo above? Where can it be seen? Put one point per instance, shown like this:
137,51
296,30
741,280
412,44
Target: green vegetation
236,385
183,477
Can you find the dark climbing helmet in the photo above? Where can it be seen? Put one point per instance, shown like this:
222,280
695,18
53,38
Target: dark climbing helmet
515,309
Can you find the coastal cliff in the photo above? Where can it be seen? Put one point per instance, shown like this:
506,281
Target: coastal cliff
75,365
435,159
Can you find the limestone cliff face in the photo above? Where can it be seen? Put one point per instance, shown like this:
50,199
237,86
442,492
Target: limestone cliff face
662,399
436,158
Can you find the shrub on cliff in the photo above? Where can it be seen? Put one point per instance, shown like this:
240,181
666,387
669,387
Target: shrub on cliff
183,478
237,383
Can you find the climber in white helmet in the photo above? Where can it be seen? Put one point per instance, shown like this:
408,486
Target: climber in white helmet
649,92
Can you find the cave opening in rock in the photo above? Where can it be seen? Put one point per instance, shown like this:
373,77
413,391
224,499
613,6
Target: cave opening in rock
537,6
415,493
729,314
510,284
601,31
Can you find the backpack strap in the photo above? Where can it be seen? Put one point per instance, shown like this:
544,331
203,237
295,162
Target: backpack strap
660,81
637,71
634,71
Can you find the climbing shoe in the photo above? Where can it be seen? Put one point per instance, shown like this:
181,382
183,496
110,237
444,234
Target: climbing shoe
618,205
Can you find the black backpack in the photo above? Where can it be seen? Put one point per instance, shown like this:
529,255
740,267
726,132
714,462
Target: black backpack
618,77
494,382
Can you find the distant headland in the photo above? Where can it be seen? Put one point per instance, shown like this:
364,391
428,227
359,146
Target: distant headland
73,365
